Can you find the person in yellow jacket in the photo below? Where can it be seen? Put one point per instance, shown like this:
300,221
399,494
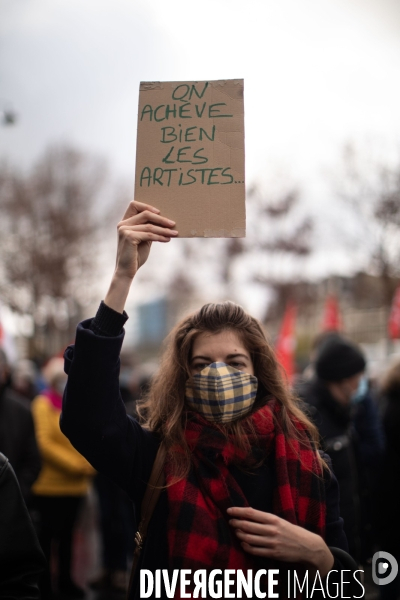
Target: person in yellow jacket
62,483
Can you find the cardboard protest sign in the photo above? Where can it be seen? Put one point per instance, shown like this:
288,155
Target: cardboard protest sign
190,155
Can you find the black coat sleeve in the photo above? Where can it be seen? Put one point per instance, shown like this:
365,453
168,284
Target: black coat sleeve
94,416
334,534
21,558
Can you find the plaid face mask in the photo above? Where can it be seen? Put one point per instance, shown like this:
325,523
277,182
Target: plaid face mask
221,393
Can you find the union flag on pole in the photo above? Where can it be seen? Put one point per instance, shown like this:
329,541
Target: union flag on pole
286,341
331,320
394,318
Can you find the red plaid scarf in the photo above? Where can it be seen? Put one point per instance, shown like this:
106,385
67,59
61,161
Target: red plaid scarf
199,535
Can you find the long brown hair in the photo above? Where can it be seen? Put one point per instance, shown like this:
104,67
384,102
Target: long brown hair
163,409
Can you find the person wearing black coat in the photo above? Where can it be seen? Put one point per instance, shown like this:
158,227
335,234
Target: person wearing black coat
21,558
347,419
127,459
17,433
241,489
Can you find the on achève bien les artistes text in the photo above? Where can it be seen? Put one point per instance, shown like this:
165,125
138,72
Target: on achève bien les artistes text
183,142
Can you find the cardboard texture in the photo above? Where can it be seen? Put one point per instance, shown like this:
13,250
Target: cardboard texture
190,155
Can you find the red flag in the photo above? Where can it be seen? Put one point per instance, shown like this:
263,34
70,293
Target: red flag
286,342
394,318
331,320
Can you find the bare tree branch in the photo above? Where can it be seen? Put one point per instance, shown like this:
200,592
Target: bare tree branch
50,227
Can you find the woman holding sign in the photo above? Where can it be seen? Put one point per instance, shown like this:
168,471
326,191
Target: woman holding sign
240,484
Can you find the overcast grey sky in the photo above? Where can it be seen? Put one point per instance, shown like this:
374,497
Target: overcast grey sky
317,72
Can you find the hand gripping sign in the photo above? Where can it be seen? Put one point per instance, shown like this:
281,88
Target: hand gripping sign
190,155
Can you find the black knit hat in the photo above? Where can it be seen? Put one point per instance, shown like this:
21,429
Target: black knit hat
338,360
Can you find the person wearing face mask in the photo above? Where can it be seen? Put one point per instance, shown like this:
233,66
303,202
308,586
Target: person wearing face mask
61,486
244,484
342,408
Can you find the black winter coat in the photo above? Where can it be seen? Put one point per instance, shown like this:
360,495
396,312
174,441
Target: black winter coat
17,438
388,488
352,436
21,558
95,420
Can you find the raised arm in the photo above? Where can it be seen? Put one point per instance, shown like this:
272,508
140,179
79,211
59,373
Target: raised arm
93,415
141,225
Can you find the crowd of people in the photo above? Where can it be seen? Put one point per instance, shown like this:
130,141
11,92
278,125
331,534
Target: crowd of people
101,444
54,480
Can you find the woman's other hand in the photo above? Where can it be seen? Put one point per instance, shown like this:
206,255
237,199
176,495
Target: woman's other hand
265,534
141,225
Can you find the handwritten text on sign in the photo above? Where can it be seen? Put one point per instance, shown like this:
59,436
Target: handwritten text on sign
191,135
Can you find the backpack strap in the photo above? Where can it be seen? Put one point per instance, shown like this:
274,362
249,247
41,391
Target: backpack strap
150,498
